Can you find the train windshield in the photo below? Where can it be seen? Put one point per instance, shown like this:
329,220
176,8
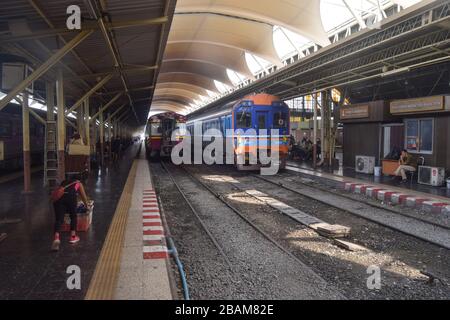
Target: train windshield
243,119
155,129
280,120
182,128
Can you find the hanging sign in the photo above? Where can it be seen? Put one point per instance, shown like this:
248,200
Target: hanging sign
417,105
355,112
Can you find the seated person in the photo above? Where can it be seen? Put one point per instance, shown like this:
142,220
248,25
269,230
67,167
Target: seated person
406,165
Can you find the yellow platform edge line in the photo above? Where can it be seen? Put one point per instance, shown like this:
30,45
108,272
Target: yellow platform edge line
104,279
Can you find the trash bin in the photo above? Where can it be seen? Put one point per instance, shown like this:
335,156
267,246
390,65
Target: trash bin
448,183
377,171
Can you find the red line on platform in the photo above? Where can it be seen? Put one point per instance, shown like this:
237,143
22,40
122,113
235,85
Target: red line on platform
151,217
156,255
153,232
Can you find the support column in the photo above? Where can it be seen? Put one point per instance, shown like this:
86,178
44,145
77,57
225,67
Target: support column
50,95
61,125
80,122
109,136
323,116
26,143
102,137
315,131
87,129
94,136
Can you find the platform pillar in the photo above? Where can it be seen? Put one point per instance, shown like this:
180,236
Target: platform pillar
26,143
87,130
61,128
94,136
50,100
109,136
102,137
315,102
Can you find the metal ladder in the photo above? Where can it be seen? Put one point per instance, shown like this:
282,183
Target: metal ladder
50,155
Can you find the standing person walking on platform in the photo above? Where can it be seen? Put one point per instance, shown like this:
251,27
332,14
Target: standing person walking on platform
65,201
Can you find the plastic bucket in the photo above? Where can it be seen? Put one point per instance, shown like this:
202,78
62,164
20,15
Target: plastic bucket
448,183
377,171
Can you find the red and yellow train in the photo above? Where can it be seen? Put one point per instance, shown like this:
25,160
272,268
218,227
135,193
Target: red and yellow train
158,133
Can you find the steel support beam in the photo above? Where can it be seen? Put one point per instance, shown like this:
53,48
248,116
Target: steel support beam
109,136
87,26
112,48
355,15
106,106
50,100
118,110
61,125
26,143
100,84
87,122
125,69
44,67
102,137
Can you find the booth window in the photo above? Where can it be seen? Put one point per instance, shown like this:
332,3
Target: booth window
419,135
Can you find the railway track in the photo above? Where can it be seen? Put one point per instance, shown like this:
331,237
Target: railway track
435,233
200,220
366,202
429,226
403,259
312,284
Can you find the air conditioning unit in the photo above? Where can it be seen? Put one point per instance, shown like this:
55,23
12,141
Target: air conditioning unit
432,176
365,164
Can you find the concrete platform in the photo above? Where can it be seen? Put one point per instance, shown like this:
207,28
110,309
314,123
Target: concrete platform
28,269
144,265
403,194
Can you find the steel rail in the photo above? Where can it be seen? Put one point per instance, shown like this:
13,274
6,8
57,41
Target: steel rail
202,223
253,225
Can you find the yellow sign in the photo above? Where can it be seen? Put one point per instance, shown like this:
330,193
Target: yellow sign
417,105
2,151
355,112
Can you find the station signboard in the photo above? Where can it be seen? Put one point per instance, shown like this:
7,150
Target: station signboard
418,105
355,112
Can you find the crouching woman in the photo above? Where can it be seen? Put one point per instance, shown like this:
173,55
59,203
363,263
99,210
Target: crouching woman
65,200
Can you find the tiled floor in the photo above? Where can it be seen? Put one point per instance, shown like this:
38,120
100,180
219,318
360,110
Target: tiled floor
28,270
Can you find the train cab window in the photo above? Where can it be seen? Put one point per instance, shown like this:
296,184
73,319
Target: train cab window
182,128
156,129
262,122
280,120
243,120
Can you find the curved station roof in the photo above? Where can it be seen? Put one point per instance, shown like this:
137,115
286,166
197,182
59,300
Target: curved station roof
209,39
